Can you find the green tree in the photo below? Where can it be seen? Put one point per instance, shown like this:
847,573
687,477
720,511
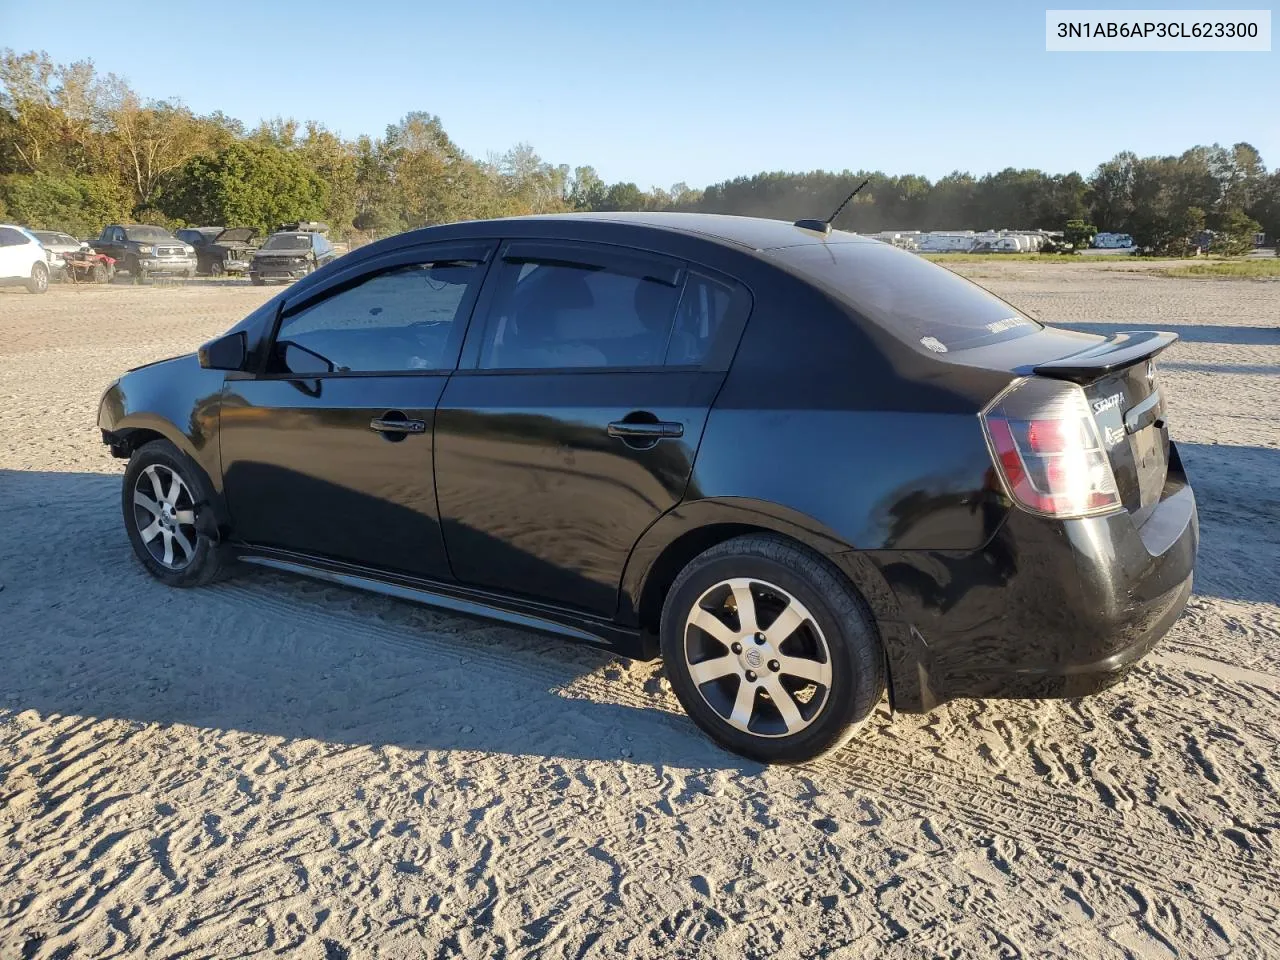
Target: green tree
77,205
1234,237
1079,234
247,184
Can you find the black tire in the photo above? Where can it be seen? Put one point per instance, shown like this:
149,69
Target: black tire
209,558
136,273
100,274
38,282
855,656
256,280
216,268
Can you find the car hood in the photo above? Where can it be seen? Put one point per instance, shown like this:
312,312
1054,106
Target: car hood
61,247
235,235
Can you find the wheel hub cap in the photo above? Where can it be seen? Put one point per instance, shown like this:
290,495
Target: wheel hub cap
165,517
757,657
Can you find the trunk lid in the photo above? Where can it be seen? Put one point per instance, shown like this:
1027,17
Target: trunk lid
1119,379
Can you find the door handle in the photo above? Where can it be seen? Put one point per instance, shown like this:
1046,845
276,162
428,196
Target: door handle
660,430
398,426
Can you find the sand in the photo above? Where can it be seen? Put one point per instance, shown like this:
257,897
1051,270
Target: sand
272,765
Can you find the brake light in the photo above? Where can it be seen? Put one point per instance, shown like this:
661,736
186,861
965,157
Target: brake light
1048,451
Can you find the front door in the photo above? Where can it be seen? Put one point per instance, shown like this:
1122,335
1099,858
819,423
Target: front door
574,419
328,450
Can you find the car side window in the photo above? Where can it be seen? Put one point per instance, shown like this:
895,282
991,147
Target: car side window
10,237
703,307
554,315
403,319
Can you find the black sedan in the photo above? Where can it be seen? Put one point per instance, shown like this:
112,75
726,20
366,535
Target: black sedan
801,466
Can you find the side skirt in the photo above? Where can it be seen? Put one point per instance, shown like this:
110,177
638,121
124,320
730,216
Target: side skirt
544,618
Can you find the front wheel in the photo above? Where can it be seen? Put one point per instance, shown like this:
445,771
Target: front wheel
770,650
163,496
38,282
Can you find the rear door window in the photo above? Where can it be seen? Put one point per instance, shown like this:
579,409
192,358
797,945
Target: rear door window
564,309
920,302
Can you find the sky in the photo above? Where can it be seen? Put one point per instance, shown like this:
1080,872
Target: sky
696,91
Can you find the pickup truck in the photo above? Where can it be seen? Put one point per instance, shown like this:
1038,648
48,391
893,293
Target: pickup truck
145,251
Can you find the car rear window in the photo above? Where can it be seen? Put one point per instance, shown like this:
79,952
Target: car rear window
920,302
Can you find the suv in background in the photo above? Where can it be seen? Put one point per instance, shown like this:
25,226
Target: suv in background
23,260
289,255
220,250
144,250
60,245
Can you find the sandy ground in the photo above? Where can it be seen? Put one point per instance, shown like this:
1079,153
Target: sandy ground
276,766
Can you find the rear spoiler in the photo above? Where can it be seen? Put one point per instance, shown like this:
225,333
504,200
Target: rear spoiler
1122,350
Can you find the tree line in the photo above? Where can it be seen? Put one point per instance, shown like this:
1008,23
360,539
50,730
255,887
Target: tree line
79,149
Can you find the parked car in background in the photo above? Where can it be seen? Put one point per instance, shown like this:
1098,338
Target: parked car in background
60,245
290,255
144,251
801,465
220,250
23,260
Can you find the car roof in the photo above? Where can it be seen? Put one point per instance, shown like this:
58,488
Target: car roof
753,233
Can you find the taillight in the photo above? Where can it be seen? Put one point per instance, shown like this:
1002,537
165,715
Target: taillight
1048,451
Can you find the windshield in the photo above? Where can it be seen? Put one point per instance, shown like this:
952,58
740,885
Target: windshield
45,236
917,301
288,241
147,234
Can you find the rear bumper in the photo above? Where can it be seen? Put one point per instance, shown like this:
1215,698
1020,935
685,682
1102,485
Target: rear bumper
1046,609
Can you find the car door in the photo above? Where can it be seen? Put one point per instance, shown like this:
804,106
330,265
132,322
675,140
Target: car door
573,420
327,450
11,260
112,243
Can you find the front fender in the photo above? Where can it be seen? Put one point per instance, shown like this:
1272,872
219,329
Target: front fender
176,399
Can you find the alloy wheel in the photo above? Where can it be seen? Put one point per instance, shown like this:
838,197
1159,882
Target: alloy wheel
165,516
758,657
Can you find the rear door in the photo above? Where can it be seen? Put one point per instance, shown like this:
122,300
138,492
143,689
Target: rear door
327,450
573,420
12,262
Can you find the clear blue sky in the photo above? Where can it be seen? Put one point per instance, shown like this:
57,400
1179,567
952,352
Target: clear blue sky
697,91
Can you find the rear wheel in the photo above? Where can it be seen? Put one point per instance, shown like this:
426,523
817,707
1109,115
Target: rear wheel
256,280
770,650
163,496
38,282
100,273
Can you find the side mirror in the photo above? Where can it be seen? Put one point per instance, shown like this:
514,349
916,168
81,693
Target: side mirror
225,353
302,361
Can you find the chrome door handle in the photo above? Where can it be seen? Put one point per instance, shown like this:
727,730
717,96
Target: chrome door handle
398,426
662,430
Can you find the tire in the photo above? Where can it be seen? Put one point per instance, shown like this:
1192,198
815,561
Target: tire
100,273
216,269
826,617
256,280
159,461
38,282
136,273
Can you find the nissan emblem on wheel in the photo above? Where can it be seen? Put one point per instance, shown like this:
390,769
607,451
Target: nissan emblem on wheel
803,467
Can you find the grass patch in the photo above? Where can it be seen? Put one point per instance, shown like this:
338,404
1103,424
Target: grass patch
1248,269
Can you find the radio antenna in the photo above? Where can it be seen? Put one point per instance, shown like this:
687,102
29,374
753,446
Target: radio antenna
824,226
